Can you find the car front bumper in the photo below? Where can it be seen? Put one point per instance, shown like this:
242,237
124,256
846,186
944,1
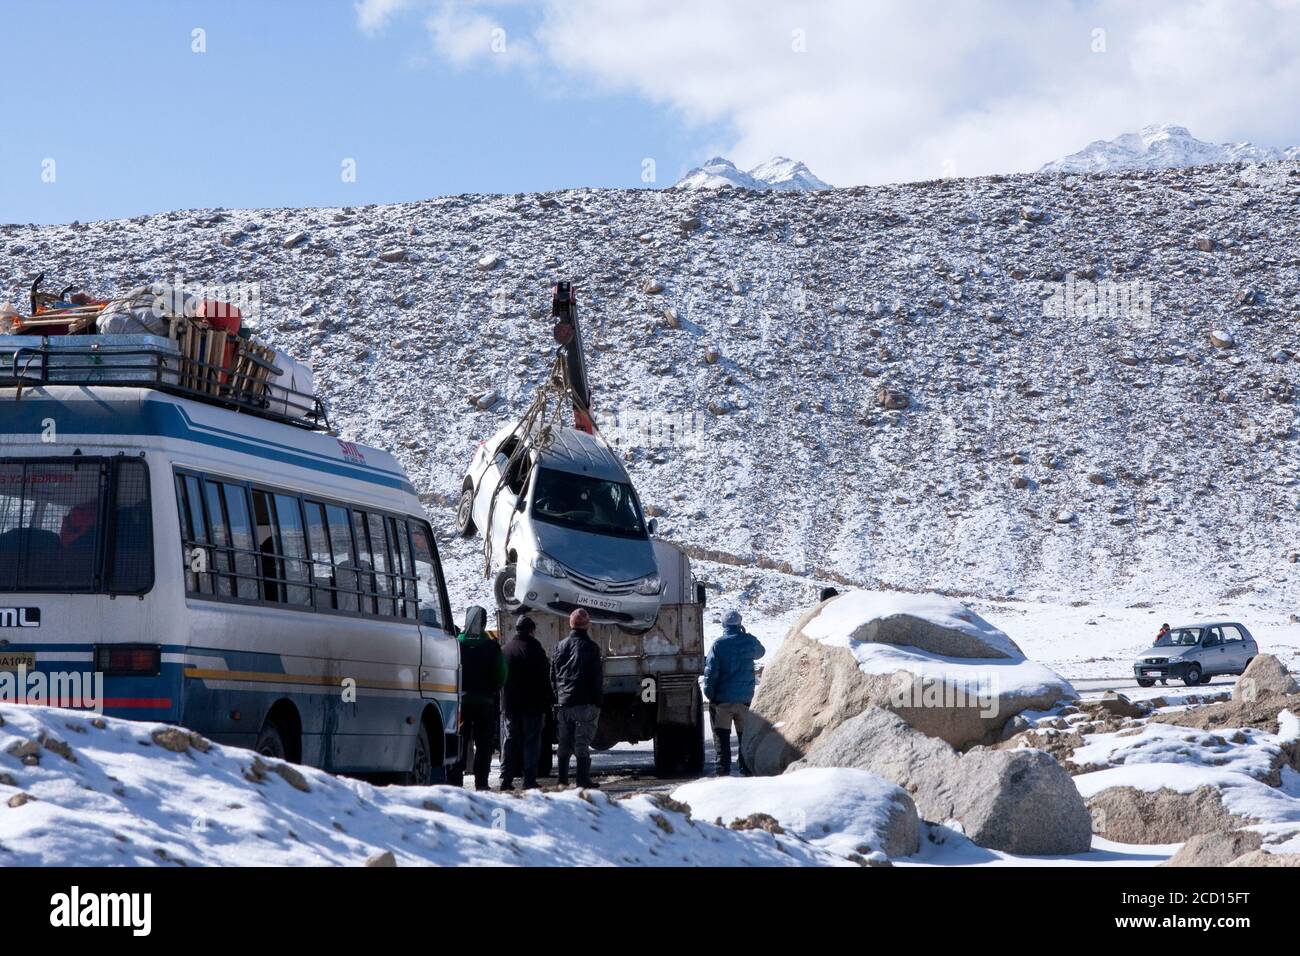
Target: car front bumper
563,595
1162,671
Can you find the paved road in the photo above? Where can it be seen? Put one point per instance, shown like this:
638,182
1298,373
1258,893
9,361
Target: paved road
1096,686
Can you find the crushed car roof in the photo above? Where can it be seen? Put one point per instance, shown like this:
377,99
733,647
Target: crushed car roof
582,454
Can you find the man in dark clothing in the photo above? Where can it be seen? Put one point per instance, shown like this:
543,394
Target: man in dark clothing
578,678
482,674
525,701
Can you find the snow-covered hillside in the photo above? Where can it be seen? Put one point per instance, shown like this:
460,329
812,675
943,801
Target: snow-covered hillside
1163,147
779,174
888,386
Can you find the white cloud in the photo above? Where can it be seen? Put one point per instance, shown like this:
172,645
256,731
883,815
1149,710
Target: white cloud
890,91
373,15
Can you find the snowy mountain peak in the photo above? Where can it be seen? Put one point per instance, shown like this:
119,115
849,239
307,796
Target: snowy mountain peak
787,174
1163,147
778,173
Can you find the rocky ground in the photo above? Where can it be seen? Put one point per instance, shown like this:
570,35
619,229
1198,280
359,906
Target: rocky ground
879,386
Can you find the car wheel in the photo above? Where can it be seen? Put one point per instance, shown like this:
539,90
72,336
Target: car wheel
1146,682
465,513
504,589
1193,676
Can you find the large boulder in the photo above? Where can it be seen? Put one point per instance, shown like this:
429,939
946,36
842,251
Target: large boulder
1215,849
934,662
1018,801
1264,675
851,812
1129,815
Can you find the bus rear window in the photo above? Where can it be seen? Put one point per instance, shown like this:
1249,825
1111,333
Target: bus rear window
75,525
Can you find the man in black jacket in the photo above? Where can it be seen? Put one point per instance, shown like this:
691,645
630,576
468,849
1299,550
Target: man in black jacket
482,672
578,677
526,699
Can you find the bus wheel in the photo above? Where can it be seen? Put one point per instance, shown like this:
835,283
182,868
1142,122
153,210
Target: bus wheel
421,772
270,742
465,513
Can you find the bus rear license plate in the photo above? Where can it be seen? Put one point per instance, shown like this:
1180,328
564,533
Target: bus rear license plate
12,660
600,604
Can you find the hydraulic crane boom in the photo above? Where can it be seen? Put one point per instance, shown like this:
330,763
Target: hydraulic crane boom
564,307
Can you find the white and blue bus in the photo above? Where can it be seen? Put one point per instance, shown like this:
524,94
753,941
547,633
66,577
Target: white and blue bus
247,576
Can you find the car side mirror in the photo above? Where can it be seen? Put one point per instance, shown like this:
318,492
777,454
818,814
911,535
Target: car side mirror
652,525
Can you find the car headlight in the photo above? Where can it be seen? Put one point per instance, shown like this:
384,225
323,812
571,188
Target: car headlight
549,566
649,585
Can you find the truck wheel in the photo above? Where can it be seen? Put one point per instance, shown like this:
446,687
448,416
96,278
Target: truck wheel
1193,676
465,513
667,750
1146,681
504,589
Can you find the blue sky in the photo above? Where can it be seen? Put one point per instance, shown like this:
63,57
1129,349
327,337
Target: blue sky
136,122
436,97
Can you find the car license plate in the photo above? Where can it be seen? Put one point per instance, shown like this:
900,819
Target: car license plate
599,603
12,660
1148,671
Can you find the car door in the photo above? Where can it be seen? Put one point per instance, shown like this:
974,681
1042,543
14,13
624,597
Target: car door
1213,656
1234,646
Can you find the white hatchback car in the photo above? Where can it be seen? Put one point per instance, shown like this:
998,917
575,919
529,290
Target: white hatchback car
566,528
1194,653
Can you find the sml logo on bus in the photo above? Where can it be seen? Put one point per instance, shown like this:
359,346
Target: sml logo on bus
20,617
351,452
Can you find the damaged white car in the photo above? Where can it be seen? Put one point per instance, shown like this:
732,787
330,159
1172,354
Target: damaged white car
565,527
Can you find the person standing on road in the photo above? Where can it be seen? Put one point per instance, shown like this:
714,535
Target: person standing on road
578,679
525,700
483,672
729,686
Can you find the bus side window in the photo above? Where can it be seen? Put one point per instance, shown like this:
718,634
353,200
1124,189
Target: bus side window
196,555
322,562
222,559
426,572
383,563
346,579
264,536
241,539
293,547
365,562
397,528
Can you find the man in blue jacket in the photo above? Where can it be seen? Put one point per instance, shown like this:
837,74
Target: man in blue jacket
729,685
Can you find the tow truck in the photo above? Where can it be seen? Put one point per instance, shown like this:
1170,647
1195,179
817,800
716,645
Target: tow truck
652,688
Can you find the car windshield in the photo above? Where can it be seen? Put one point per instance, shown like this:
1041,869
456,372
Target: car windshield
588,504
1180,637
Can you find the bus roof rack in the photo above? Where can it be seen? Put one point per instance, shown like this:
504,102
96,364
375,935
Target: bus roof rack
229,372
